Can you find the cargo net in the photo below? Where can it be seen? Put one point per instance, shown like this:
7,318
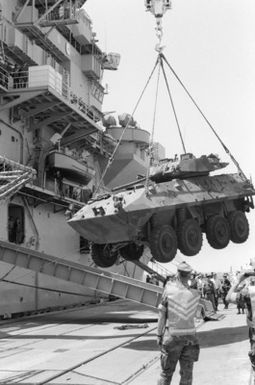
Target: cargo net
13,176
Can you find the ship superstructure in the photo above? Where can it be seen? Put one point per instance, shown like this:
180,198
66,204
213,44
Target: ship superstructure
51,89
131,159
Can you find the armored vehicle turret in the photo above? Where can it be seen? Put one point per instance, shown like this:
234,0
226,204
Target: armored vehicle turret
185,167
172,210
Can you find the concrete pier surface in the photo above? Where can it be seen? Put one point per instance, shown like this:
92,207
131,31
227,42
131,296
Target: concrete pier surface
115,343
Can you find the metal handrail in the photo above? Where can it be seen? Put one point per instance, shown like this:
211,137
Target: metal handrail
20,80
57,14
81,105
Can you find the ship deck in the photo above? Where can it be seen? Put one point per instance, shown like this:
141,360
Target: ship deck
114,343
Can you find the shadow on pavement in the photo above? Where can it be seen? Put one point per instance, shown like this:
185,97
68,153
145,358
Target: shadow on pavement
207,339
99,319
149,345
222,336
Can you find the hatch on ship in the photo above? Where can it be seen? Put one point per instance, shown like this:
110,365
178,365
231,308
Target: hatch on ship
16,223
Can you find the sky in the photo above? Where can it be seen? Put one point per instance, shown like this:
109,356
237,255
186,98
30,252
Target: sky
211,46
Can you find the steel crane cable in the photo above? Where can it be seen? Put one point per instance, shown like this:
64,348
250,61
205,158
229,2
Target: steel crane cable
205,118
153,128
126,126
172,102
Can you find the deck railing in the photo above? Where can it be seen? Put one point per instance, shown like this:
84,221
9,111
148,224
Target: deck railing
63,14
19,79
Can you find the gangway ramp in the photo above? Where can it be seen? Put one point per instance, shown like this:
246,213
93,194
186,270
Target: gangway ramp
95,279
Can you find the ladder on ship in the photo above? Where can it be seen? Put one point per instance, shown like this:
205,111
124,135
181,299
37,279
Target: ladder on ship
13,176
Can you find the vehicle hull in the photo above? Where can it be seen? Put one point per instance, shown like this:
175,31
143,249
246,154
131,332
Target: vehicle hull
121,217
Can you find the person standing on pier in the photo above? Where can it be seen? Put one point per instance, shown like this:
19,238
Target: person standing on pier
176,336
226,285
248,293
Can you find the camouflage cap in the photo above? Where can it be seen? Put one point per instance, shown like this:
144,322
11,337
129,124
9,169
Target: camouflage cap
184,267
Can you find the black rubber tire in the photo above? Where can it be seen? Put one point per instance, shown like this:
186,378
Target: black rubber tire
102,256
239,227
190,237
163,243
132,252
218,232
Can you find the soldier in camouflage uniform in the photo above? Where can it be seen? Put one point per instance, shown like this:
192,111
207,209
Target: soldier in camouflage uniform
176,328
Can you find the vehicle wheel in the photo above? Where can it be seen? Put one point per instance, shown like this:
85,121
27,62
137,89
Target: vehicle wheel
163,243
190,237
102,255
132,252
217,232
239,227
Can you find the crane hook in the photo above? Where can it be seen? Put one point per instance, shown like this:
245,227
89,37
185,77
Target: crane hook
159,34
158,8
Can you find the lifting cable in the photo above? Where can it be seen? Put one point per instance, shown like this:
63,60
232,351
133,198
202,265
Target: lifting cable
124,129
161,67
151,155
172,102
203,115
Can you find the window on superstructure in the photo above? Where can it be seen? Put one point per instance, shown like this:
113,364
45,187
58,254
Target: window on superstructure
16,223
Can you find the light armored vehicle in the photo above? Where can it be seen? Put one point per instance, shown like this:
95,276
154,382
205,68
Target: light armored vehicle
171,210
